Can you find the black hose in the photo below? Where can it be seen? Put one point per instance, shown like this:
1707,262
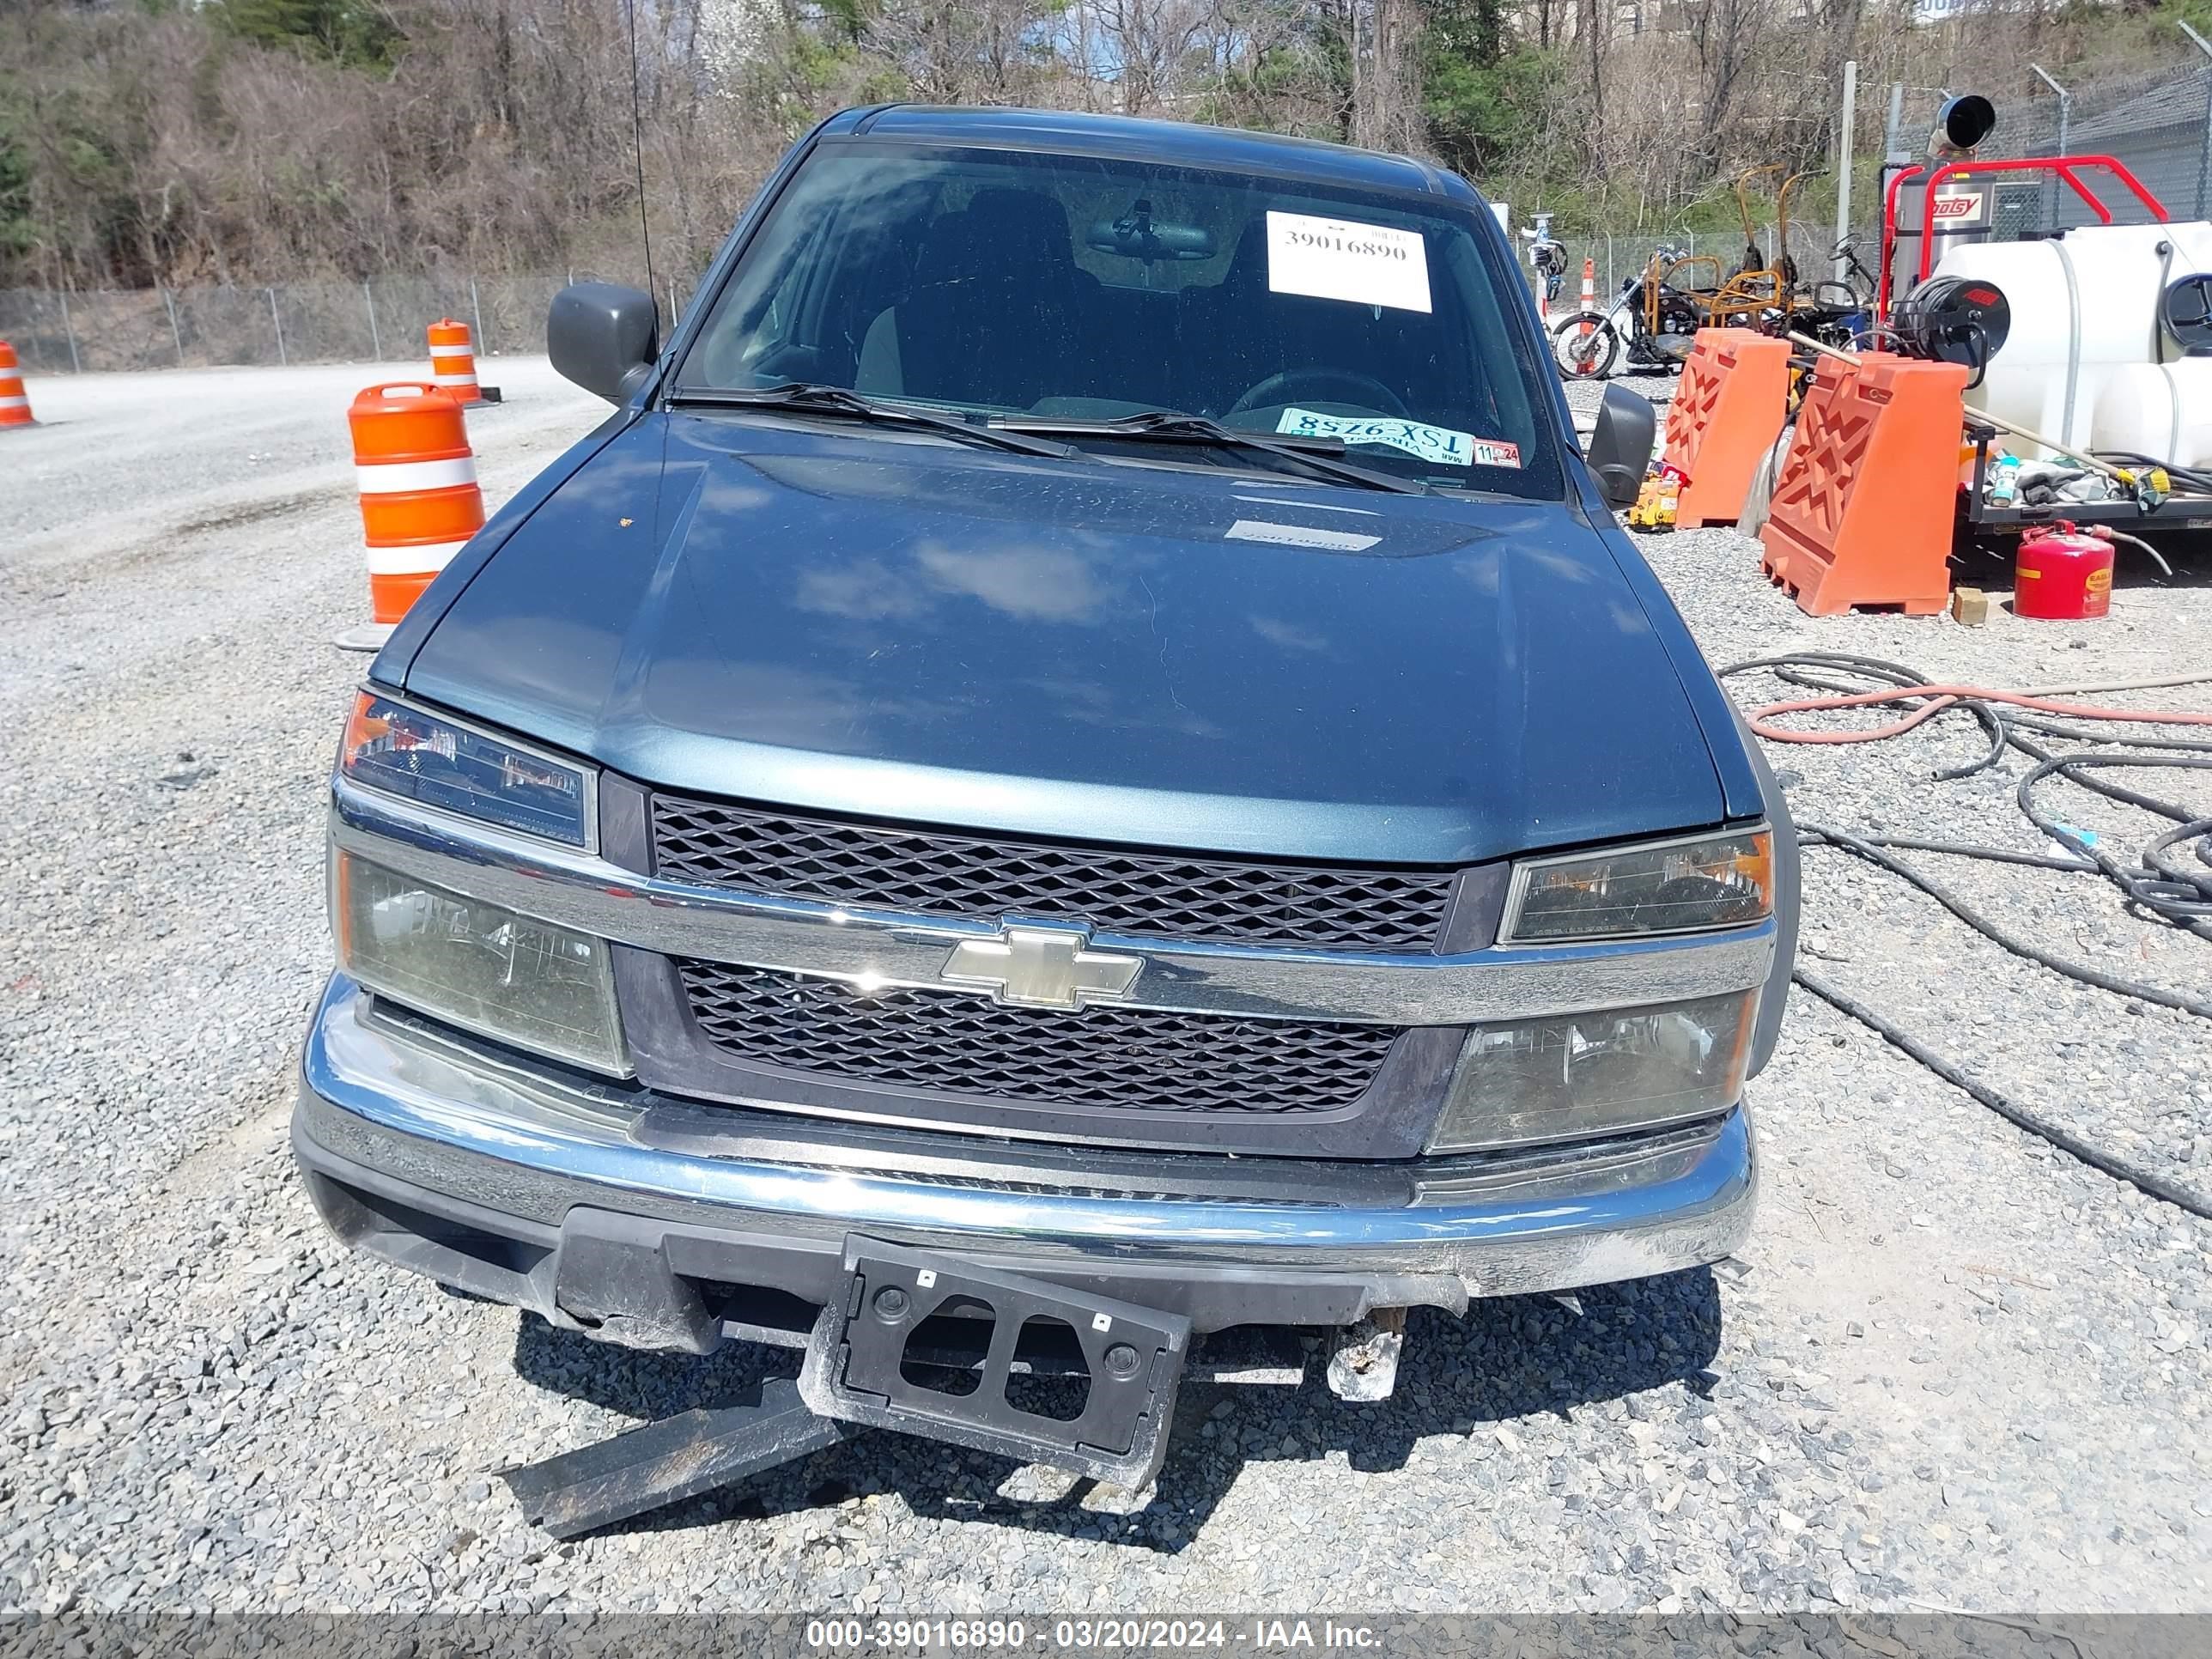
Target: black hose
2120,1169
1786,668
2178,897
2157,884
2198,478
2199,828
2153,884
1973,850
1815,834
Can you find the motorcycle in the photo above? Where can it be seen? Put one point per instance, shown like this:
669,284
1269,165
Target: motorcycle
1651,324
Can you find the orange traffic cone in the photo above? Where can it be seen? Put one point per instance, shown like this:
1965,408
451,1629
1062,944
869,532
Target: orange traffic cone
453,362
1589,299
419,499
14,404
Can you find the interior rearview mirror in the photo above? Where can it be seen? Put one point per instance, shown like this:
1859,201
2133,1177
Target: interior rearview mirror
1620,448
603,337
1150,241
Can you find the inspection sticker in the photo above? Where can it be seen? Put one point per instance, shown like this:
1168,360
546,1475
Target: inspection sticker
1439,444
1343,259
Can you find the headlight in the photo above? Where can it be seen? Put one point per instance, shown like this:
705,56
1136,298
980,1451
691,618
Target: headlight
1684,886
1581,1075
541,986
435,762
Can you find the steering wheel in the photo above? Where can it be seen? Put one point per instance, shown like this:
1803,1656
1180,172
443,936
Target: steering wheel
1292,383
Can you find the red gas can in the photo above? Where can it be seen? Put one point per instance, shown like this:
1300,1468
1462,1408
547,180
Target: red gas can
2062,573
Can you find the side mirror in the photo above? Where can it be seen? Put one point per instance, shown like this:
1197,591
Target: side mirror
604,337
1620,448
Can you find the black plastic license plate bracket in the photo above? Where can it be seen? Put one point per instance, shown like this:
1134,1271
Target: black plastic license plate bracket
855,1367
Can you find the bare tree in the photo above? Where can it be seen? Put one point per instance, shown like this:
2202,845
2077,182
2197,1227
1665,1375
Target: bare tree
965,51
1155,54
1725,34
1594,33
153,143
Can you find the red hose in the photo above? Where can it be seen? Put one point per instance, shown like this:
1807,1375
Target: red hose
1940,698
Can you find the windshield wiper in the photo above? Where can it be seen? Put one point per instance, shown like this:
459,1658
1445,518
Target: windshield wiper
801,397
1321,455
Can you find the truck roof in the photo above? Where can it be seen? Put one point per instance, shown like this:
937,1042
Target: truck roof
1173,142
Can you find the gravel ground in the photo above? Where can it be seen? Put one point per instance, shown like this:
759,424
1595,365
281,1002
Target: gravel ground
1953,1367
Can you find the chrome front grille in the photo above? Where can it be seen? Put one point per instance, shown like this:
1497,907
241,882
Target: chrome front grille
956,1044
936,873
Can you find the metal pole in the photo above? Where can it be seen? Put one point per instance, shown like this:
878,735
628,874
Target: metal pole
1891,133
475,306
1608,264
1846,125
279,322
70,329
2065,109
376,339
175,333
2204,146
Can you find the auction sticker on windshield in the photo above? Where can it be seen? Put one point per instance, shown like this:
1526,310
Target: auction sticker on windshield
1439,444
1343,259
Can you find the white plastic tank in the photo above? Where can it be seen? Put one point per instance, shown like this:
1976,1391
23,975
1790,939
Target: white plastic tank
2163,410
2083,306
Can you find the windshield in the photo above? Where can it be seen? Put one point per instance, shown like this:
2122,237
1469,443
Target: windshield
1077,289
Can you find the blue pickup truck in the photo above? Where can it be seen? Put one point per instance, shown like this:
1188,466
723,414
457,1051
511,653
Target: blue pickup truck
1080,766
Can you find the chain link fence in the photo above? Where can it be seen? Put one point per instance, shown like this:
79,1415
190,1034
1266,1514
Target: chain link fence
2156,121
1617,259
381,321
2154,124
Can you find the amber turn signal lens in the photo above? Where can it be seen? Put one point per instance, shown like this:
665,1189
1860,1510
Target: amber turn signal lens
1692,884
438,762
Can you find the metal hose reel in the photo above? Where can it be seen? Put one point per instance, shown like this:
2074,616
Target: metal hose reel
2184,313
1956,319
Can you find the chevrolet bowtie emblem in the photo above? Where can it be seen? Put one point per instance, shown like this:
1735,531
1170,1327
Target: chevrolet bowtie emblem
1037,965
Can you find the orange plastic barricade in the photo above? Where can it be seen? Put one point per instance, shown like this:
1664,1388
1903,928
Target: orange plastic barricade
419,499
453,361
15,403
1726,414
1862,511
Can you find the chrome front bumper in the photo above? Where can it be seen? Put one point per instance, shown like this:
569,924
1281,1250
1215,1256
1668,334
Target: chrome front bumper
606,1207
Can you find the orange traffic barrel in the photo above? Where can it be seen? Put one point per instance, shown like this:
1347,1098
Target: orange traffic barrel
453,361
14,403
419,499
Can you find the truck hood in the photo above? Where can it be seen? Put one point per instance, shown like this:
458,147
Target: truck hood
865,624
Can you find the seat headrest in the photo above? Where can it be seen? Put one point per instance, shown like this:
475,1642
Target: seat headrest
1002,233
